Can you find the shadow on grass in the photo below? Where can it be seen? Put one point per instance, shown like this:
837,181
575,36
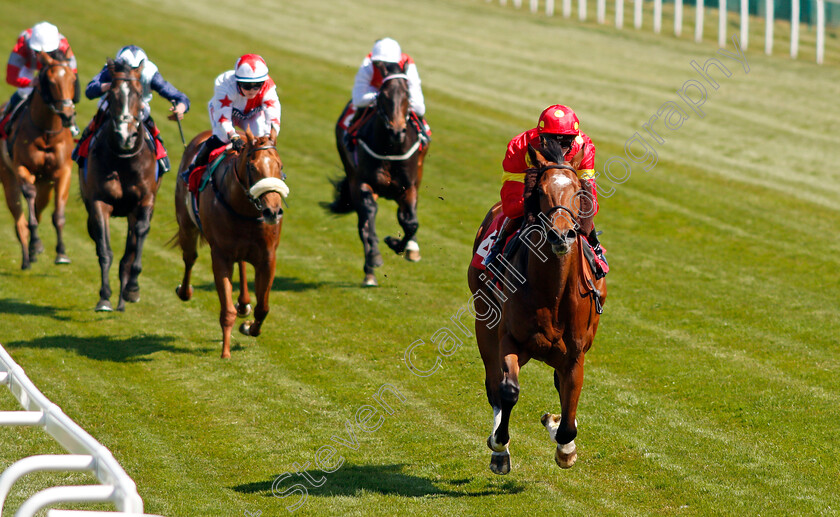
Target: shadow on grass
107,348
351,480
12,306
281,283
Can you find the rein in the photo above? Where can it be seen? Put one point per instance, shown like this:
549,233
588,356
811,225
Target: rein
54,105
391,157
247,190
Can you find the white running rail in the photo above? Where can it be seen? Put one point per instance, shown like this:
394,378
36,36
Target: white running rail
698,21
86,454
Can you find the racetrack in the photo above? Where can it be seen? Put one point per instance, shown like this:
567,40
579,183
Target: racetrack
712,386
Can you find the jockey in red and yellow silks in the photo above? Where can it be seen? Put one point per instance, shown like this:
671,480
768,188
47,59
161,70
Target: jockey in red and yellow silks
557,122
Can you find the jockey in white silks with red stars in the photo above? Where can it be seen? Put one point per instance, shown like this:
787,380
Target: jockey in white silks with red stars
244,97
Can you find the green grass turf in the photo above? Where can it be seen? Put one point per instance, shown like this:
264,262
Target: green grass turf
712,387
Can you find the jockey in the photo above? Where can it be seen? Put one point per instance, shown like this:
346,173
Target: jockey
245,97
151,80
559,123
369,80
23,64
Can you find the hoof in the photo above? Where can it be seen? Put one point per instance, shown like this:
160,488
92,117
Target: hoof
412,255
395,244
247,328
187,295
565,460
243,310
62,259
132,296
25,265
35,249
370,281
500,463
103,306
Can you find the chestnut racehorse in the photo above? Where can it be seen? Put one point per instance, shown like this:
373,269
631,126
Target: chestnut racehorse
119,179
240,215
35,159
388,162
548,310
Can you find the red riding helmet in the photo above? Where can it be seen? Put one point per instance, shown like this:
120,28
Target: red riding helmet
558,120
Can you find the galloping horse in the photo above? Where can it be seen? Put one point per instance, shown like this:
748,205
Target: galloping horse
388,162
36,156
549,310
119,179
240,217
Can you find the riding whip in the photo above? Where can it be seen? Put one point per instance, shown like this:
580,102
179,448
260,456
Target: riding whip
180,129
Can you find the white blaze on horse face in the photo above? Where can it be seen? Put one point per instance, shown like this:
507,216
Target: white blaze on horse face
561,180
125,116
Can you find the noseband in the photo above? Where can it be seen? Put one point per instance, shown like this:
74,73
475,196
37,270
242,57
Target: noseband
573,217
256,189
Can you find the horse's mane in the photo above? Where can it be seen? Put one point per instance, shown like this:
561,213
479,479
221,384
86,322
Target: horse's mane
552,151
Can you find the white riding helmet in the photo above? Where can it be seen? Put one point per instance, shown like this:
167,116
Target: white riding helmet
386,50
250,68
44,38
131,55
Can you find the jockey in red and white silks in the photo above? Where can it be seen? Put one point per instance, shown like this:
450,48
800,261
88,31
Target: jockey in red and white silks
369,77
245,97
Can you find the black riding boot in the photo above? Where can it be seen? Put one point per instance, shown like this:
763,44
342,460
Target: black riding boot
599,252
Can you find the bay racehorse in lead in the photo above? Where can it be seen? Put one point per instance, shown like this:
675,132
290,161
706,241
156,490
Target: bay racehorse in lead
388,162
120,178
542,304
35,158
239,214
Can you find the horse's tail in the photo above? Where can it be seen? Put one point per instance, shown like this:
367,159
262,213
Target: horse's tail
341,204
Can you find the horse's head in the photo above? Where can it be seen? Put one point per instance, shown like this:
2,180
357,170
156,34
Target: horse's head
392,102
58,85
553,197
259,172
125,103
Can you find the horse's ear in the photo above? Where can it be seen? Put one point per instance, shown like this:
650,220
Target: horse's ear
44,58
273,135
250,136
109,63
536,157
578,158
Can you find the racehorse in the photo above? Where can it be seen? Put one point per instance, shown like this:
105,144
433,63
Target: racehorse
549,308
36,156
120,179
388,162
240,216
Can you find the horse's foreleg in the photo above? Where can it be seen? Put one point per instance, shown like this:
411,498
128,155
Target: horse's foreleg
488,346
131,264
222,271
512,359
568,379
243,303
13,190
263,278
43,193
366,209
99,230
407,217
32,242
62,192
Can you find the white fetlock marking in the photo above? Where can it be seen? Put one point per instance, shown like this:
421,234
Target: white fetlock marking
497,421
270,185
551,425
412,246
568,448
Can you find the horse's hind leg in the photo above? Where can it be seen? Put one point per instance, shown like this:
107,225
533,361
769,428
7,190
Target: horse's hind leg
263,278
243,303
188,241
99,230
488,347
131,264
43,193
407,217
62,192
366,209
568,379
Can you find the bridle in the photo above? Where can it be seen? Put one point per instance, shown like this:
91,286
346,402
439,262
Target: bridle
56,106
254,187
380,110
128,118
548,219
